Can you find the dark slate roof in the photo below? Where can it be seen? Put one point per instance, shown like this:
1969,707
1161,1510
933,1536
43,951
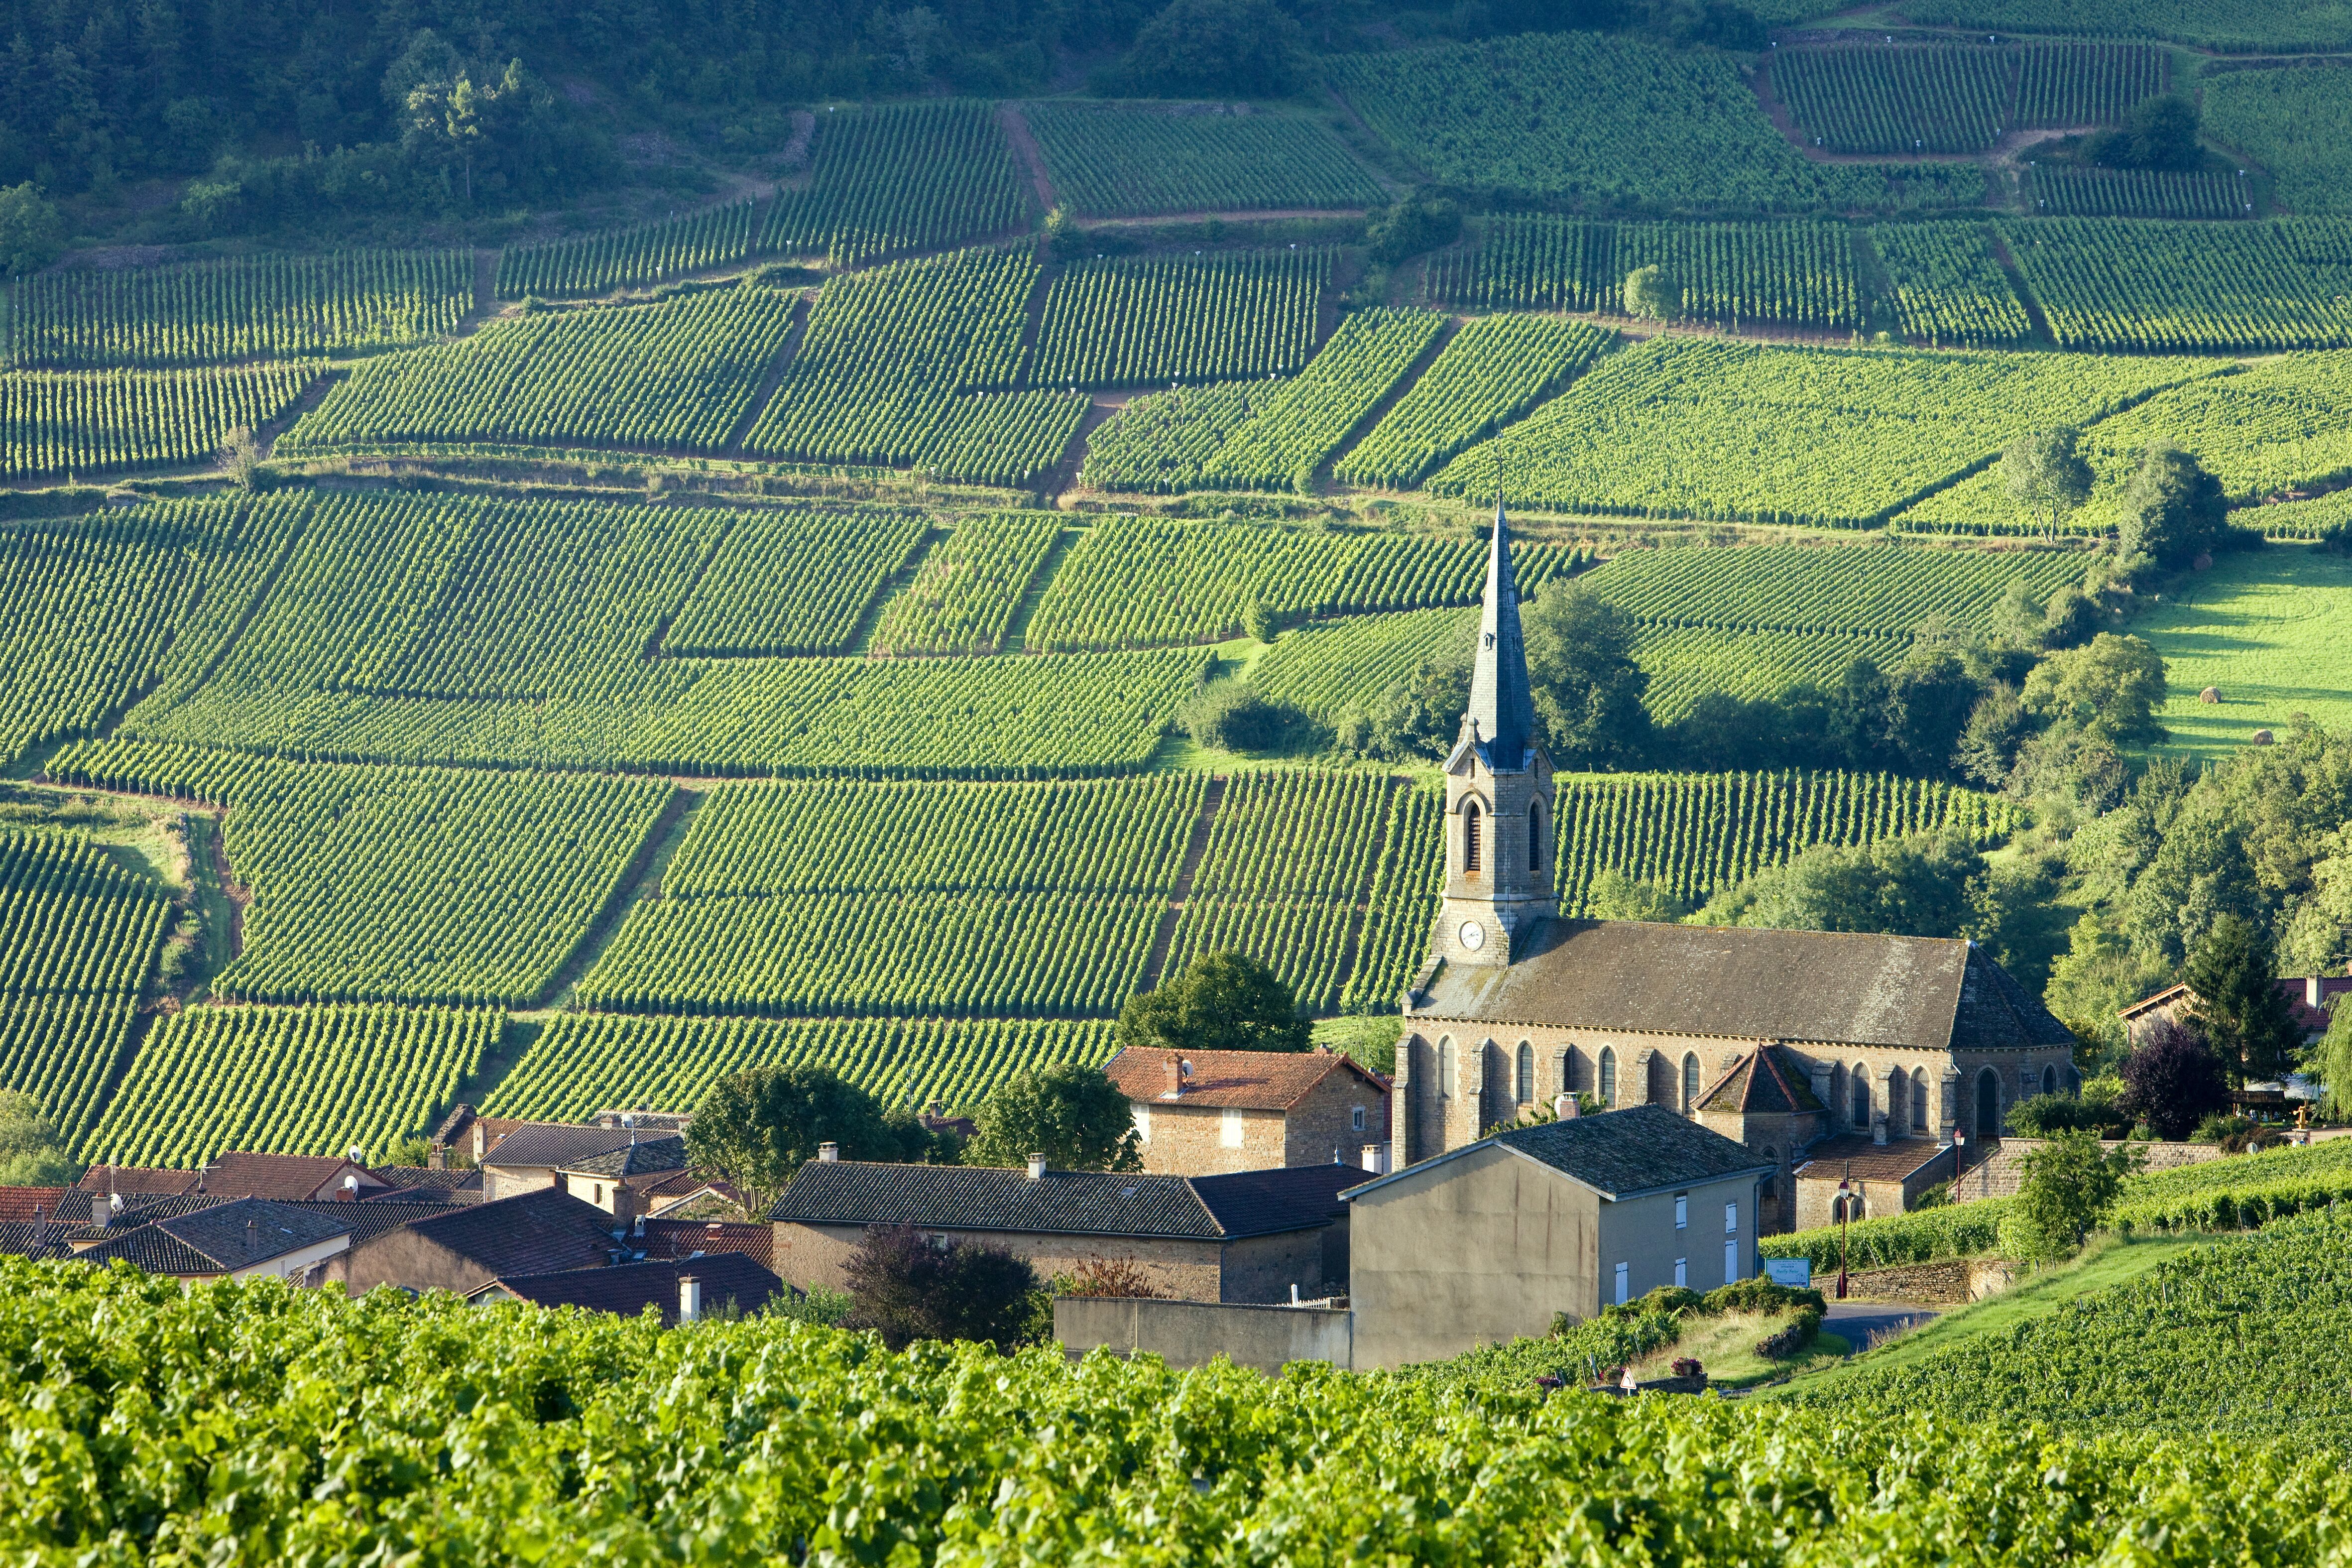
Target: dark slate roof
224,1237
23,1238
366,1221
1618,1153
137,1211
410,1182
1061,1203
553,1146
152,1249
628,1288
1833,1158
1502,714
1762,1082
652,1156
673,1239
536,1233
1922,993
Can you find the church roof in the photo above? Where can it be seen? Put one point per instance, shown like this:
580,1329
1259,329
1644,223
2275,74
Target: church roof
1760,1083
1502,706
1731,981
1617,1154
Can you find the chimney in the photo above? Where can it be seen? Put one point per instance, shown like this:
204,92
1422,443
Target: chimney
438,1159
1373,1161
625,1205
1036,1166
689,1299
252,1236
102,1206
1175,1077
1563,1108
828,1153
2311,994
351,1189
481,1142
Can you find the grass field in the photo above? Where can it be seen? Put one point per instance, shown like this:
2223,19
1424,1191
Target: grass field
2269,630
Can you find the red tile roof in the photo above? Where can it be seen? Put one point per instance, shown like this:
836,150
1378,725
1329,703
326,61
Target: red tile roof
672,1238
239,1174
128,1178
20,1203
1242,1081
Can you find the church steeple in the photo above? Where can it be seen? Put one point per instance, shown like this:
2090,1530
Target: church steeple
1502,716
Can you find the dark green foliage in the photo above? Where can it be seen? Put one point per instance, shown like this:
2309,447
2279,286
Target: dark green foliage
2172,1080
2070,1184
1904,887
1587,689
1414,720
1221,1002
31,232
907,1287
1246,48
2244,1014
2045,1115
1074,1115
1234,717
756,1128
2046,475
2172,509
1420,222
2159,133
32,1154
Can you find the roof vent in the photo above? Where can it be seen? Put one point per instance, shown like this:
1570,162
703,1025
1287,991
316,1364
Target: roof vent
828,1153
1036,1166
252,1236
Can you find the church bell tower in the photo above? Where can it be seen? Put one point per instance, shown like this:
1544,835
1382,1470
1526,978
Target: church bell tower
1499,875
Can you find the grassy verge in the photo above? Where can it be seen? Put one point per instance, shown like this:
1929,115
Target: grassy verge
1726,1346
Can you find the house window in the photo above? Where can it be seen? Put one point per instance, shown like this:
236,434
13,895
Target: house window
1233,1129
1535,837
1682,1211
1731,1263
1471,857
1608,1075
1142,1123
1918,1101
1527,1084
600,1195
1356,1118
1624,1284
1682,1273
1731,1219
1445,1075
1690,1083
1860,1095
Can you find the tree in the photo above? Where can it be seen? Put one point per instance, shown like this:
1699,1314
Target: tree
240,459
2070,1184
2109,688
1903,886
1652,295
2331,1060
1073,1115
1234,716
1615,896
758,1127
2159,132
2172,509
1406,228
2172,1080
1415,720
2045,474
1259,622
31,1153
1587,689
905,1287
32,231
2246,1015
1220,1002
1249,48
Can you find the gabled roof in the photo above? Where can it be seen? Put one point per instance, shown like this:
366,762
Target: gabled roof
1244,1080
136,1211
366,1221
407,1182
1063,1203
1617,1154
242,1232
1501,720
1762,1082
549,1146
237,1174
130,1179
1893,1161
536,1233
20,1203
675,1238
25,1239
658,1158
1741,983
628,1288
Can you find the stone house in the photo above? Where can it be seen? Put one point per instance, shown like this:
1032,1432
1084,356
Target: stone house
2310,997
1879,1178
1249,1235
1205,1113
461,1248
237,1239
610,1167
1485,1242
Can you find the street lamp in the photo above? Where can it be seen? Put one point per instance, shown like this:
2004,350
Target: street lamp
1845,1220
1960,1158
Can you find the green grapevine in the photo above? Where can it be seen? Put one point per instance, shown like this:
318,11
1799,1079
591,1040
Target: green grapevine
1116,160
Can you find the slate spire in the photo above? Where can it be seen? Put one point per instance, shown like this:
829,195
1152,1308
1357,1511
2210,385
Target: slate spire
1502,708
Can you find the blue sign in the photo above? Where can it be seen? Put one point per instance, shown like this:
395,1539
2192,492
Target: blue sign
1797,1272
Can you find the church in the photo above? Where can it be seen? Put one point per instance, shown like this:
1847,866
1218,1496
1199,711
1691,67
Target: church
1792,1043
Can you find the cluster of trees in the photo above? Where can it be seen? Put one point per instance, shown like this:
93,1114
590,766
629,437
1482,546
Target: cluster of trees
2159,132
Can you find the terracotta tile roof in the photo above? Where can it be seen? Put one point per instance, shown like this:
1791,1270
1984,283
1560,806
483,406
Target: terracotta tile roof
673,1239
2313,1021
20,1203
1061,1202
129,1179
1762,1082
224,1237
628,1288
408,1182
241,1174
1893,1161
536,1233
1242,1081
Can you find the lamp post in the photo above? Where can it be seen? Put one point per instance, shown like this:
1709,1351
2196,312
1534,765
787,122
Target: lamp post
1845,1220
1959,1159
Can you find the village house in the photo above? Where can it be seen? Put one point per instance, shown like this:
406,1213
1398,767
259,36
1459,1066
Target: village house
610,1167
241,1239
2309,997
1251,1235
238,1173
686,1290
462,1248
1204,1113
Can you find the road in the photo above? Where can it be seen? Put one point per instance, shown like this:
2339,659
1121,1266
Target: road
1855,1321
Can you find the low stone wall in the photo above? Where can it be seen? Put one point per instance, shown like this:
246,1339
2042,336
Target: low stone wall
2002,1171
1947,1282
1193,1333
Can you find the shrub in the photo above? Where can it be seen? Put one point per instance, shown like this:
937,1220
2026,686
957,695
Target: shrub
2172,1080
1234,717
905,1287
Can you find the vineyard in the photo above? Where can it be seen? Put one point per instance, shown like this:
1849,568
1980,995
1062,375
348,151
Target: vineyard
1613,120
585,1061
899,177
289,1080
398,884
1949,289
2059,192
1144,579
77,936
1701,428
964,594
1002,439
1402,907
1330,667
1686,663
1800,589
85,422
280,306
1116,162
1306,420
1164,443
2084,84
2296,121
679,374
1222,316
1906,100
2119,285
789,582
649,253
1493,371
1797,274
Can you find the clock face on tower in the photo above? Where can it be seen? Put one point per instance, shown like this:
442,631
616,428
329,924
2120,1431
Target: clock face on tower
1473,935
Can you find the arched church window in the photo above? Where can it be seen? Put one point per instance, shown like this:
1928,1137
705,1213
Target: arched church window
2049,1080
1861,1079
1536,836
1918,1099
1690,1082
1608,1075
1446,1068
1527,1079
1571,1070
1471,857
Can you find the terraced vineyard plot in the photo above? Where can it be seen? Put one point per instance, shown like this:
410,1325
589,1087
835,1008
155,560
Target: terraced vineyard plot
1164,443
1702,427
88,422
680,373
2117,284
648,253
1495,369
1119,161
2059,192
1801,589
2298,519
2231,25
1005,438
792,582
290,1080
1137,580
1328,669
896,177
2296,121
240,308
1223,316
398,884
1907,99
1800,274
1297,428
963,597
586,1061
2084,84
1685,664
1613,119
1403,905
77,936
887,351
1949,287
